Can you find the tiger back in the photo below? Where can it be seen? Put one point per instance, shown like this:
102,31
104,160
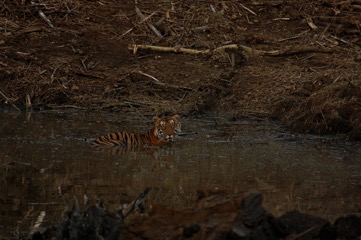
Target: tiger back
164,130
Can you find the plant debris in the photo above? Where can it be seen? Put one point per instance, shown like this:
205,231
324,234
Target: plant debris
298,61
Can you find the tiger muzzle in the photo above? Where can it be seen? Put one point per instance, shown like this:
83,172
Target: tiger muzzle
169,138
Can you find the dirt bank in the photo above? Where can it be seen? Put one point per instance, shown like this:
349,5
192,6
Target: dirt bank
297,61
213,216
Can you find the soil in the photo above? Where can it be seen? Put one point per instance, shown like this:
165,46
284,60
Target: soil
296,61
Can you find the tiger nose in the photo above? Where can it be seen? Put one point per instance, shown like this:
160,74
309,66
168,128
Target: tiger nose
169,138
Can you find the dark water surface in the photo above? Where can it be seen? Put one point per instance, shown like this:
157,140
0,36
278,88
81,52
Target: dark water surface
46,163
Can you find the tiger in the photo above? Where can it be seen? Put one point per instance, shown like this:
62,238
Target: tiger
165,128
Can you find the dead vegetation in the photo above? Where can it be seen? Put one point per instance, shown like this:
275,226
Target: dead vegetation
298,61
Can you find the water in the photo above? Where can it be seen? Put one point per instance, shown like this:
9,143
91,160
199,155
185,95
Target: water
47,163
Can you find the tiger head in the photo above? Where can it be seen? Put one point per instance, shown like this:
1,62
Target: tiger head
166,127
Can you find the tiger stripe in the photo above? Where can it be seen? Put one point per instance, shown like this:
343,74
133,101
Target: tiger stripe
164,130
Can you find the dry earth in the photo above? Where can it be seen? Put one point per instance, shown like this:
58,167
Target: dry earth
298,61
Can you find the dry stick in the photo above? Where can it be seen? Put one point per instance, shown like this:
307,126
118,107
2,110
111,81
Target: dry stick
133,206
127,32
47,20
28,101
289,38
310,23
282,52
281,19
156,81
249,10
31,29
143,18
201,29
38,222
305,232
7,99
150,76
293,37
268,3
52,75
134,47
65,106
146,18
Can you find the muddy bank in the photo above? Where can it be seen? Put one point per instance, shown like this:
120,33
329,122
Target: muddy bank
213,216
299,61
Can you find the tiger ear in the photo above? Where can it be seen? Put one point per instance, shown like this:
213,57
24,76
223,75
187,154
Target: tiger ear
176,116
156,118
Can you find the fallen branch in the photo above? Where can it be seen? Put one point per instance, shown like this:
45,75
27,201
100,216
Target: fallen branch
135,47
282,52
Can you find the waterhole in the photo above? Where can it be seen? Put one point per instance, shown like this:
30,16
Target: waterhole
47,165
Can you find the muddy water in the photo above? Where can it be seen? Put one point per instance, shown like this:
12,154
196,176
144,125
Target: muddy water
46,163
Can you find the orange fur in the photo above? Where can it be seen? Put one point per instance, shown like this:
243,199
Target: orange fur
163,132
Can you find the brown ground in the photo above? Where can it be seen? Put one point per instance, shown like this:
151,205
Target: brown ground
295,60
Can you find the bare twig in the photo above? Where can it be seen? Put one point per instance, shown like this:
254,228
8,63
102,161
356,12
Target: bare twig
305,232
146,18
65,106
246,8
127,32
38,222
150,76
46,19
201,29
143,18
310,23
28,101
281,19
293,37
156,81
8,100
52,75
340,39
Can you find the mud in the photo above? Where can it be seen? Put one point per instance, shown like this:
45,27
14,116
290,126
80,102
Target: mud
213,216
298,62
